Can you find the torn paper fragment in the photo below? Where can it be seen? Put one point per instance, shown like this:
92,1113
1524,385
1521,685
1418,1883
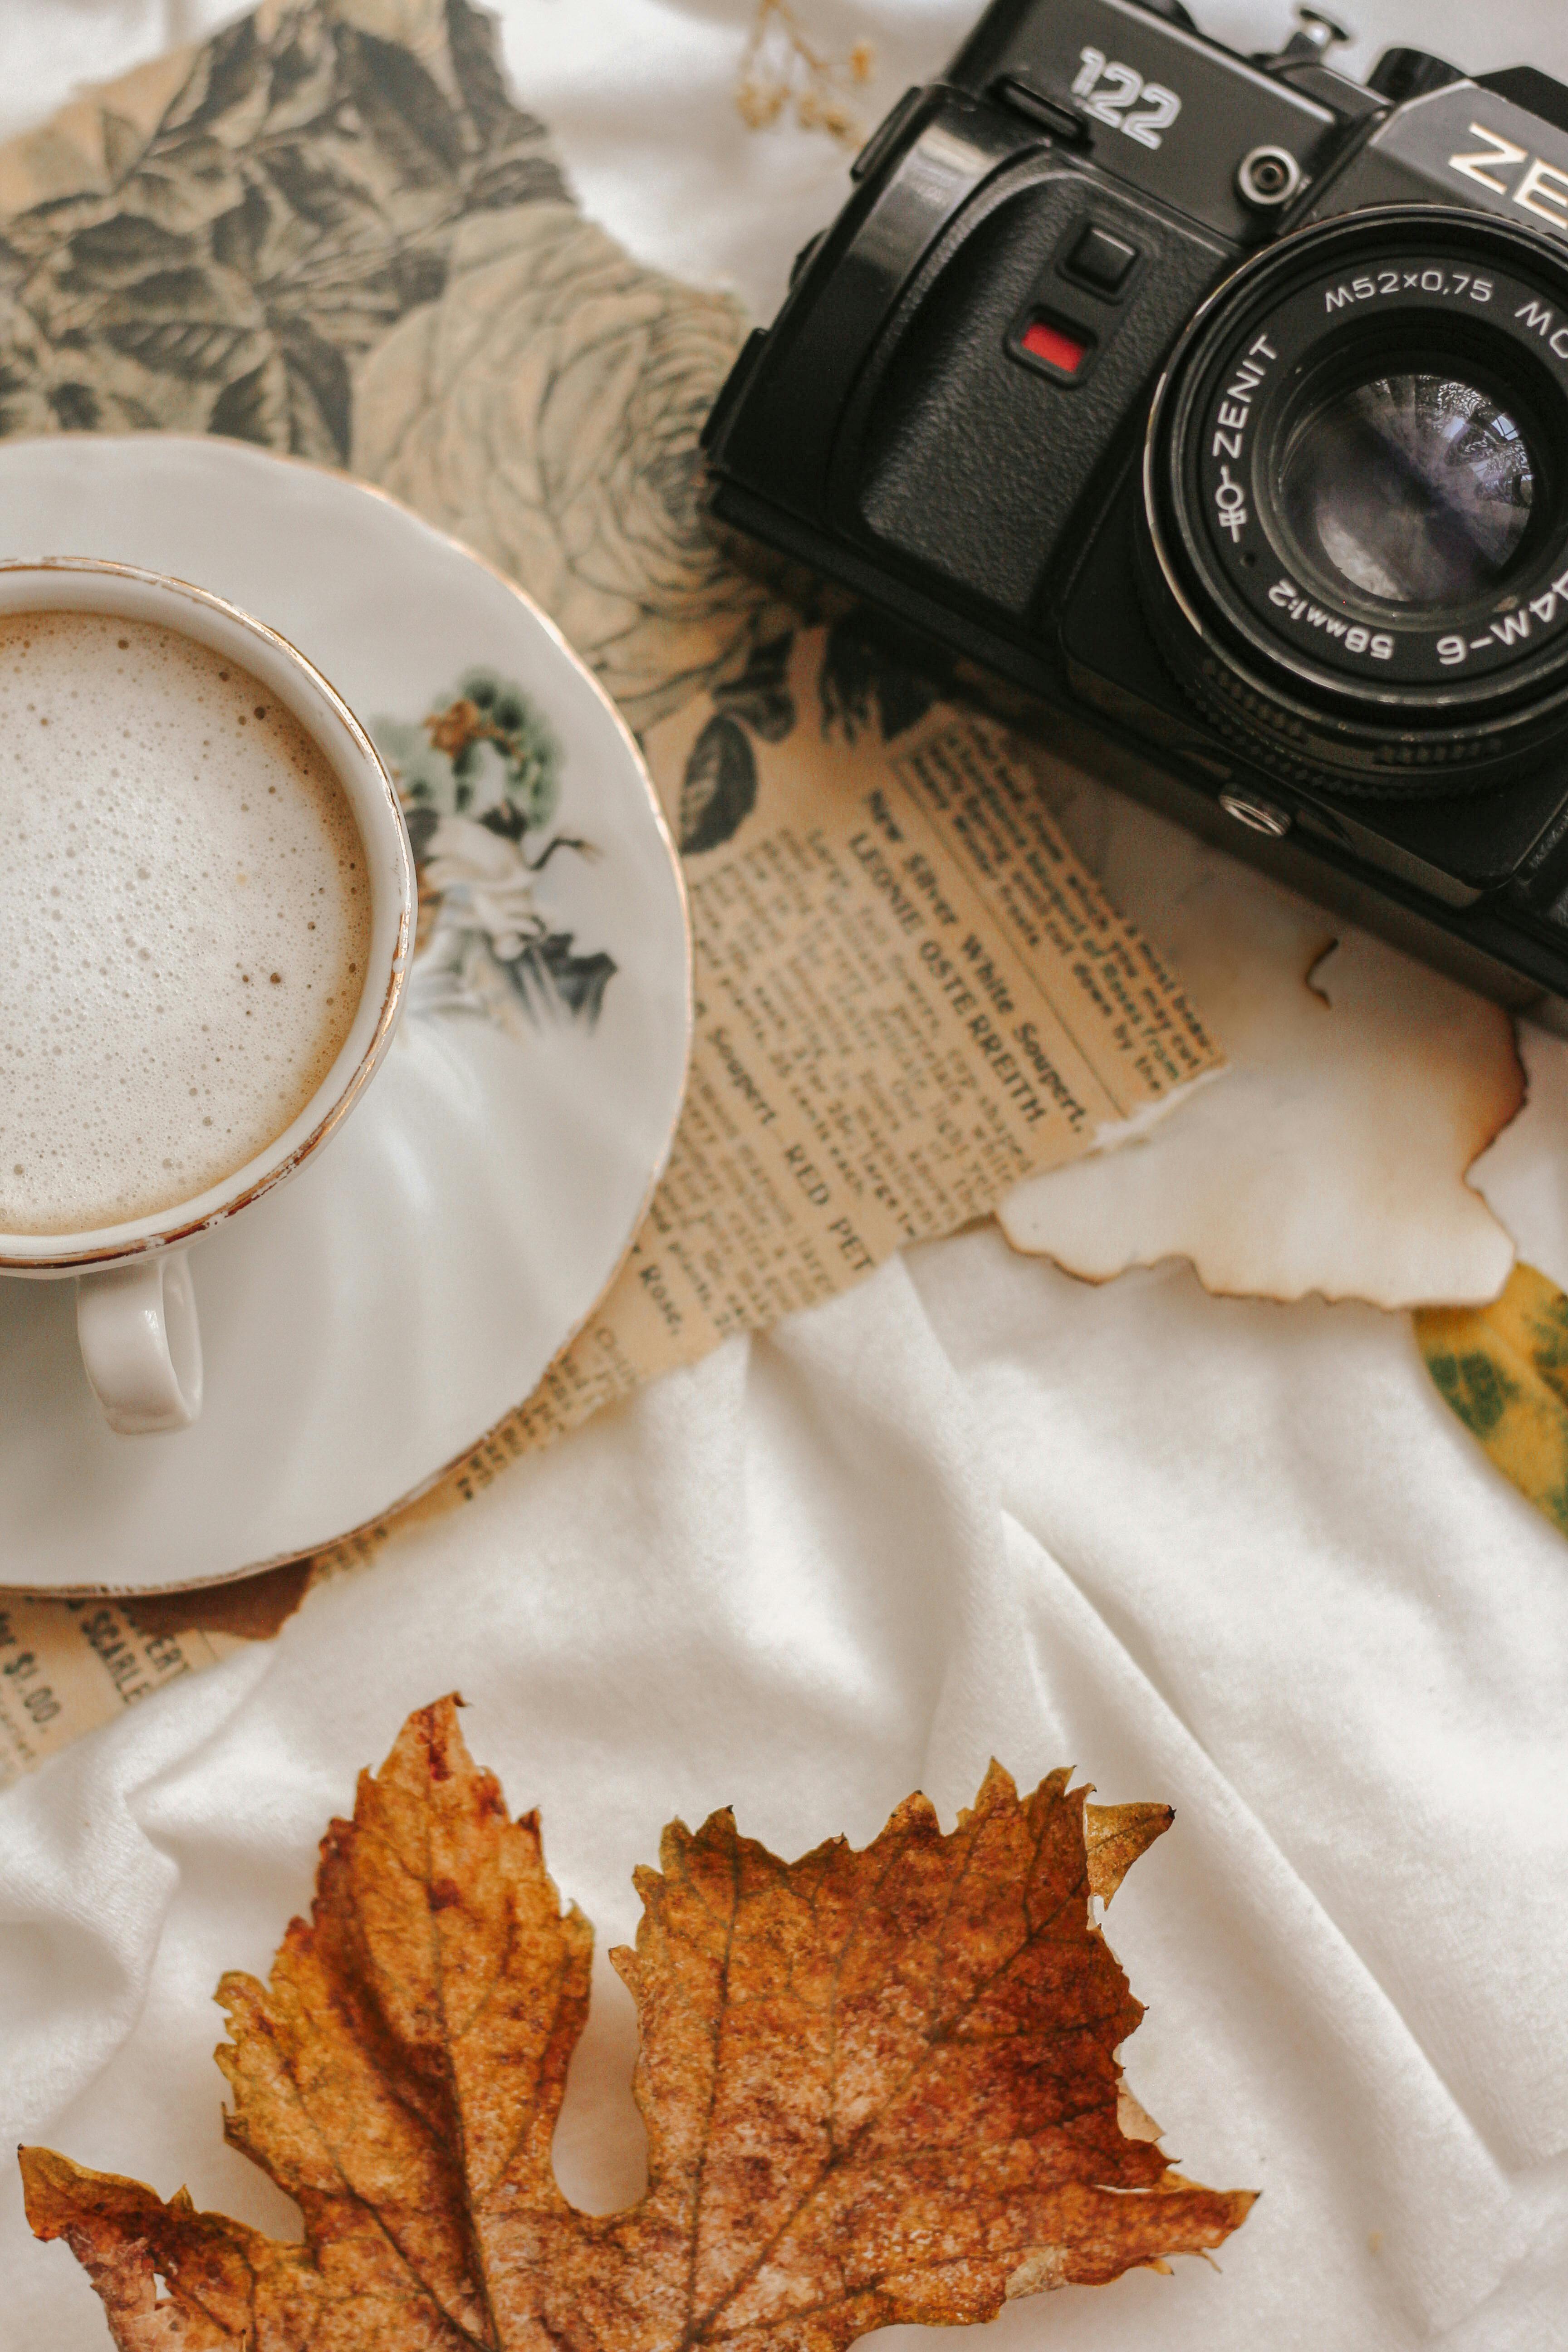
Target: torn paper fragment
1330,1156
1523,1179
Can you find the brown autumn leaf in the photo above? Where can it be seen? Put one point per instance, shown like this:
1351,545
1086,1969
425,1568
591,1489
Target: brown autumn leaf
877,2086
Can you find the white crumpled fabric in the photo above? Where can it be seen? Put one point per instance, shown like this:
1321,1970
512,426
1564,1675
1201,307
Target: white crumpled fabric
1233,1555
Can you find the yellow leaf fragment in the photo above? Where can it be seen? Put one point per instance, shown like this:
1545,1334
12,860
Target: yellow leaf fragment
877,2086
1503,1369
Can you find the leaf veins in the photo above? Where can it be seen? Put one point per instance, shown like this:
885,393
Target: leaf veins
879,2086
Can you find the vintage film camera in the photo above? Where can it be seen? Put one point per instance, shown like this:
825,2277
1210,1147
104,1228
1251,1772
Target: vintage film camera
1220,404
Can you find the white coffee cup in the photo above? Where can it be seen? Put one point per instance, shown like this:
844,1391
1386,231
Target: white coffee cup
136,1316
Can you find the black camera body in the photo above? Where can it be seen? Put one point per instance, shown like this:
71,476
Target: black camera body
1213,408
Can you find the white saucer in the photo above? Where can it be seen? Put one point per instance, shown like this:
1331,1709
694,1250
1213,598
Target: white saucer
368,1322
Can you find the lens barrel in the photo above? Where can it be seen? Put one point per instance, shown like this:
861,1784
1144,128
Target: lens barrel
1354,536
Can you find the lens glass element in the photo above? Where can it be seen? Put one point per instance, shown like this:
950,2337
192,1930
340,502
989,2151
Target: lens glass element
1413,489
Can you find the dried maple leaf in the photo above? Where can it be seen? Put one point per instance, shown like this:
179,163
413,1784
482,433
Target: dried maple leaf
877,2086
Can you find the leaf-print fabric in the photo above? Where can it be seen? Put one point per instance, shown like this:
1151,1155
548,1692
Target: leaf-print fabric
297,196
332,230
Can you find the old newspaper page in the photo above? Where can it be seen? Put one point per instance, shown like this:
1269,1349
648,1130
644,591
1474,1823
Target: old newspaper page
910,993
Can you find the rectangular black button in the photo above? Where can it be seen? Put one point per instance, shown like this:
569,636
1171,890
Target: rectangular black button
1101,260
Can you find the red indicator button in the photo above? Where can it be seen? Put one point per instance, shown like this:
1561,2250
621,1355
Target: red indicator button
1059,350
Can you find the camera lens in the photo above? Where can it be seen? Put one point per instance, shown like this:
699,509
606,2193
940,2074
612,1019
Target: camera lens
1414,489
1354,542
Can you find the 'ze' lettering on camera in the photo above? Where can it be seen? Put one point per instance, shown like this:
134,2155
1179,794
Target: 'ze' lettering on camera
1542,189
1111,91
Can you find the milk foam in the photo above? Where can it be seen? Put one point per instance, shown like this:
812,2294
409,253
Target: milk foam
184,919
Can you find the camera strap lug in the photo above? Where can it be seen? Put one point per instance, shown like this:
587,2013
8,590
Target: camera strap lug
1064,123
886,137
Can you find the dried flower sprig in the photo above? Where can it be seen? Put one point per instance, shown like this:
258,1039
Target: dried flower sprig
782,72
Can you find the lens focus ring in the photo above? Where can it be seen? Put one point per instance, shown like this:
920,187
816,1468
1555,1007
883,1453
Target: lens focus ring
1354,545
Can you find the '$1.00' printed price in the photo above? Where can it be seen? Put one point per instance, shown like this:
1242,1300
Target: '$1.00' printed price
22,1679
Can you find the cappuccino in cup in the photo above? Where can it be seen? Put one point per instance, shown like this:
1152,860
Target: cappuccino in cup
186,917
206,906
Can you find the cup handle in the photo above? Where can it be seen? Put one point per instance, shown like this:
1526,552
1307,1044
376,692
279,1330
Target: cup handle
141,1343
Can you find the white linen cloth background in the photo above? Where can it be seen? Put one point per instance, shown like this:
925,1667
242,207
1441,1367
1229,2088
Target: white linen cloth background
1232,1555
